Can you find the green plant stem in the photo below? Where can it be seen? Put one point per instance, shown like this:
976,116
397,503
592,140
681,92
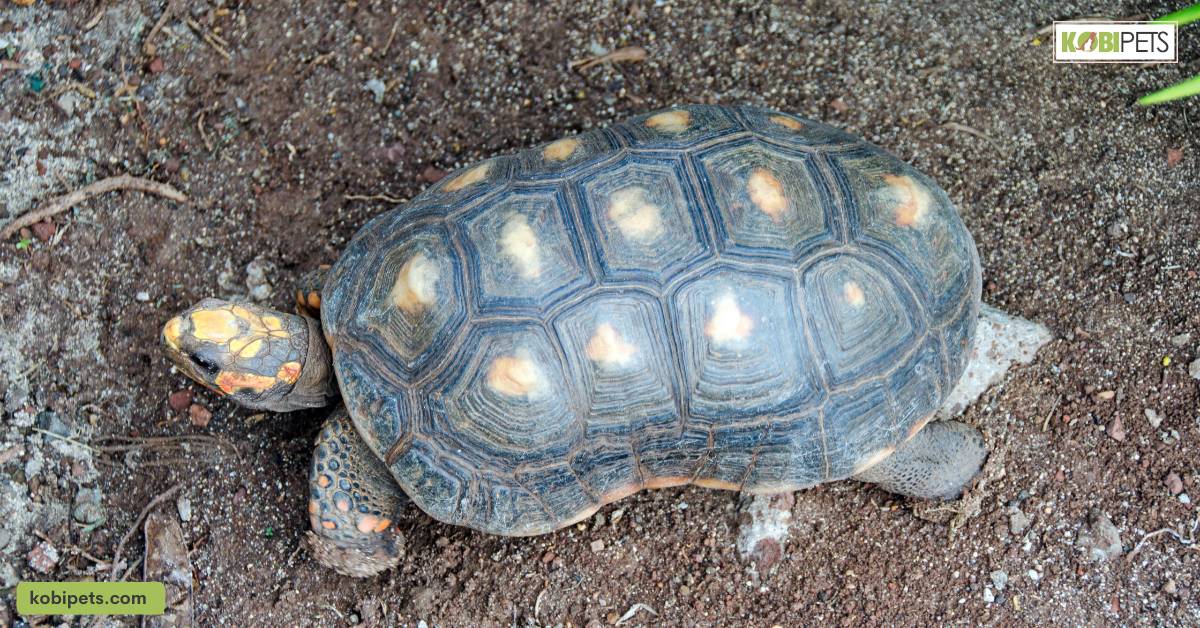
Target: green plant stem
1190,87
1182,16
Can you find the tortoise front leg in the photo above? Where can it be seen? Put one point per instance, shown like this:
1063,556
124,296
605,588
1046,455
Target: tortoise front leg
353,503
308,291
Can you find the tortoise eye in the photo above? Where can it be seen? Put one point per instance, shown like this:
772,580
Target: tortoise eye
204,364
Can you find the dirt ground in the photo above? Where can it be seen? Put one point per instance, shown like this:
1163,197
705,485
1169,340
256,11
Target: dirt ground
1085,208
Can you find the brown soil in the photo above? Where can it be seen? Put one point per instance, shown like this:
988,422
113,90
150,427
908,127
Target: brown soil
1081,221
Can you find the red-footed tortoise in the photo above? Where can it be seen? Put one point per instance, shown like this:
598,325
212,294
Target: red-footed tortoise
724,296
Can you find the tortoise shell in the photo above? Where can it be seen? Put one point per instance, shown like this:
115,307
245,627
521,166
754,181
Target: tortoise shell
724,296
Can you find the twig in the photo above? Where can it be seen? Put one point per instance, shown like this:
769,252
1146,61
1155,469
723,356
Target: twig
64,438
209,38
373,197
954,126
1046,421
628,53
111,184
200,127
391,36
148,46
137,524
90,24
1188,542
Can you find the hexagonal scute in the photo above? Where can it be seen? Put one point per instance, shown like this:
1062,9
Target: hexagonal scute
742,346
565,157
523,256
618,355
639,217
677,127
861,319
902,211
510,402
413,303
791,129
766,200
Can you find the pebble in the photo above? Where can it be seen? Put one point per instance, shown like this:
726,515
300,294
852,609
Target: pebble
1169,587
1194,369
44,230
180,399
87,507
1153,417
142,296
597,545
432,174
156,65
377,89
1174,483
1118,229
1017,522
199,415
1180,340
43,557
999,579
1100,540
184,506
256,279
1034,575
988,596
1116,429
1184,499
548,557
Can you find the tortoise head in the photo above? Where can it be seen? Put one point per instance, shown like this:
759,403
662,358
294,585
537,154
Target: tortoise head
259,358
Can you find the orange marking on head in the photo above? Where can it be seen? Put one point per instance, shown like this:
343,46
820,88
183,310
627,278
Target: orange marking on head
766,191
785,121
367,523
231,381
670,121
217,326
289,372
608,347
172,331
512,376
470,177
382,525
328,525
323,481
914,199
560,150
343,505
853,293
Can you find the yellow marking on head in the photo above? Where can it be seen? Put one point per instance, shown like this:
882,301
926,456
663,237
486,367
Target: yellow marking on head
728,324
913,199
272,323
219,326
853,293
172,331
367,523
670,121
470,177
607,347
766,192
513,376
289,372
561,149
230,382
246,346
873,460
520,245
785,121
637,218
416,285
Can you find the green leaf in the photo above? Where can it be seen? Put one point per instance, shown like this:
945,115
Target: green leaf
1182,16
24,243
1190,87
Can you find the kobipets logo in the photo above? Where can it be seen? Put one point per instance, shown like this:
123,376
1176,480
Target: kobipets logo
1115,42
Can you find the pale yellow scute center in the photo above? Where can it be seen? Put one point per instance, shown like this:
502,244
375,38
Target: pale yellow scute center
670,121
561,150
607,347
415,288
636,217
766,192
728,323
520,245
912,199
470,177
513,376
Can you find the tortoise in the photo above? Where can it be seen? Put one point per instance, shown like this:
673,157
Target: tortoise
732,297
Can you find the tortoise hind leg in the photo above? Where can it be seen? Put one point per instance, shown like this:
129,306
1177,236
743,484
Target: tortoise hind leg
353,502
936,463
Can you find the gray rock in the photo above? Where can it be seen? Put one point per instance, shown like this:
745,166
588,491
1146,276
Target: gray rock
1001,340
377,89
184,506
50,421
999,579
1194,369
87,508
1180,340
1101,540
1018,522
988,596
1153,417
257,279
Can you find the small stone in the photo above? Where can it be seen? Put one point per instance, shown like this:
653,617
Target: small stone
377,89
1174,483
75,63
180,399
87,508
988,596
1169,587
1174,156
44,230
43,557
1106,395
184,506
1181,340
432,174
548,557
1117,229
597,545
1100,540
839,105
1034,575
142,296
156,65
421,624
1116,429
1184,499
1194,369
1153,417
199,415
999,579
1018,522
